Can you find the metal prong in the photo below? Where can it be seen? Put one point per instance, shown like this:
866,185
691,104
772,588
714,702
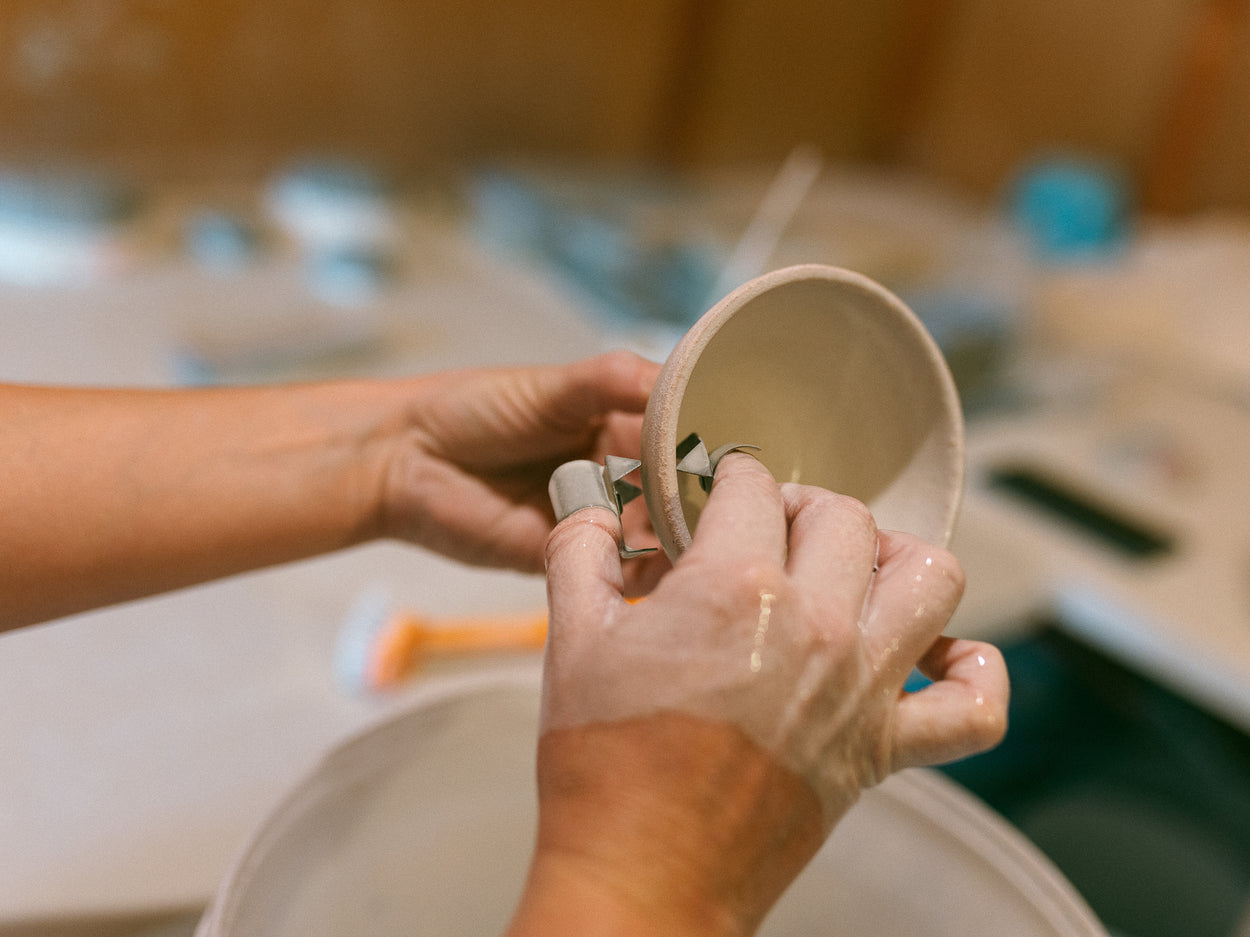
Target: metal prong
629,553
696,460
625,492
583,484
617,467
724,450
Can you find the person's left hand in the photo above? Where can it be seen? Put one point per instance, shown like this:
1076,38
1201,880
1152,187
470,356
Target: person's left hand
469,469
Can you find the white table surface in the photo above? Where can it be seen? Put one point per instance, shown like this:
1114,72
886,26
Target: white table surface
142,742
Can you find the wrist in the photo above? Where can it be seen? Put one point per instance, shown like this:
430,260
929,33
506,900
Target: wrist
311,462
663,824
362,426
567,894
358,431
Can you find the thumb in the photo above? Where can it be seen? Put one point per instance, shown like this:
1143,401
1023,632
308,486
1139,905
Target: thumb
615,380
584,578
584,594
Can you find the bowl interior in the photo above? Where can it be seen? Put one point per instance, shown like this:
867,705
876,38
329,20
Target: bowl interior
838,384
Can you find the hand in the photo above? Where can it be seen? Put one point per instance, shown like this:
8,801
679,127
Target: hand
698,746
468,472
115,494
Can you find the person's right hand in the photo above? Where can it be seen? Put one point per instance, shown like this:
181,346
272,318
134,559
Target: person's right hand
698,746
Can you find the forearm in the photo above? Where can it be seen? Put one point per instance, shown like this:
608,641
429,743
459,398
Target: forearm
115,494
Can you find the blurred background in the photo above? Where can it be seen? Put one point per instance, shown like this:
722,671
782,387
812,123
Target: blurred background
261,191
963,90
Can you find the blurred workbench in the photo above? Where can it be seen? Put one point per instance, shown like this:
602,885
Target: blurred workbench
144,742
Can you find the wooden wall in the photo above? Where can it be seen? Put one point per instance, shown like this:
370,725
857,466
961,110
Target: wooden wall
964,89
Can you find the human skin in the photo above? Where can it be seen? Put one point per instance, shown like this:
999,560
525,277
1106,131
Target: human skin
698,747
681,788
112,494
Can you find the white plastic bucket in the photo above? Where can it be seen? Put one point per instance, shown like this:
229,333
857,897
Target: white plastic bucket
423,826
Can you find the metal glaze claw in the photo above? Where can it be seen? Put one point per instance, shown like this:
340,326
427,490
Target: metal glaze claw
694,459
583,484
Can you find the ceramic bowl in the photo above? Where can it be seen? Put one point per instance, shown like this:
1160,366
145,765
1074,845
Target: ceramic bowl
836,381
424,824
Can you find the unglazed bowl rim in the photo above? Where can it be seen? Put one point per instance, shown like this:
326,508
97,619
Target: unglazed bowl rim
659,432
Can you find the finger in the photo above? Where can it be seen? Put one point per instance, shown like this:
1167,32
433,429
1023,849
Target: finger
584,581
964,711
744,517
621,435
643,573
578,393
913,595
833,548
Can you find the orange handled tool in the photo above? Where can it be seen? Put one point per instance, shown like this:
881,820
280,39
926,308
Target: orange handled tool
406,640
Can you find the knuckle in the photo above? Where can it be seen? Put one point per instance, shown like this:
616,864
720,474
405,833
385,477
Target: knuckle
848,512
856,512
853,515
622,367
755,577
578,526
744,582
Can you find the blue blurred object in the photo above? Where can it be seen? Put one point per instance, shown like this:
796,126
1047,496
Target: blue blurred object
221,241
330,204
589,235
1071,209
64,200
348,276
61,227
975,328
